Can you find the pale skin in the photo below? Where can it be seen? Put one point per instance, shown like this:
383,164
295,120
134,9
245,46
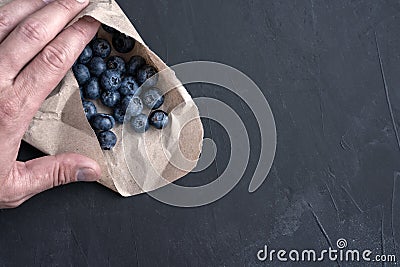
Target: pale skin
36,51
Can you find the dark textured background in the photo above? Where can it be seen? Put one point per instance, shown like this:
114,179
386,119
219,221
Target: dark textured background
334,174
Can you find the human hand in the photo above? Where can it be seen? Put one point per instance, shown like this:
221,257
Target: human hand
35,54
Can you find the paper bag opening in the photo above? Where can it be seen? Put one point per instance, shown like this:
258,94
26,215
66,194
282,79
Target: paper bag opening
138,163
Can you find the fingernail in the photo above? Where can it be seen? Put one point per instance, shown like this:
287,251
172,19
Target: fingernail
89,19
81,1
86,175
48,1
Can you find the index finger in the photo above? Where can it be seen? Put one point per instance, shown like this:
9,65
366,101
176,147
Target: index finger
35,32
49,67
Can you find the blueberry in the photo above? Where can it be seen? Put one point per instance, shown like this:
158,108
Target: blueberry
107,140
89,108
140,123
134,64
153,98
111,80
81,73
86,55
97,66
116,63
147,74
159,119
123,43
132,105
101,48
129,86
110,98
102,122
91,90
108,28
119,114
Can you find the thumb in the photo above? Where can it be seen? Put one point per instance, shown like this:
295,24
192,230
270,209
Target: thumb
47,172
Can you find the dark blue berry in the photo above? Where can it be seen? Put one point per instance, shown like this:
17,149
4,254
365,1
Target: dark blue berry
116,63
101,48
134,64
119,114
108,28
91,90
153,98
102,122
97,66
129,86
123,43
107,140
81,73
159,119
89,108
147,74
86,55
140,123
132,105
110,98
111,80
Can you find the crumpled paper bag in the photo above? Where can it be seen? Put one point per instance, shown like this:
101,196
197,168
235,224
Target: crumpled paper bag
139,162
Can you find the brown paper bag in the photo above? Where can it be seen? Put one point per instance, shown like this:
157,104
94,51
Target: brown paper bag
139,162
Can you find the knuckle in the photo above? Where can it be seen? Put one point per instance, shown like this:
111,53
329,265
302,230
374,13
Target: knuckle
66,5
33,30
63,171
81,31
55,57
9,109
5,20
58,175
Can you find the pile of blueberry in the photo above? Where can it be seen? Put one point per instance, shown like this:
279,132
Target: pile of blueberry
118,86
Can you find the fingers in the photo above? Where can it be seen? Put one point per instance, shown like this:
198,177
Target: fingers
35,32
14,12
47,172
49,67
